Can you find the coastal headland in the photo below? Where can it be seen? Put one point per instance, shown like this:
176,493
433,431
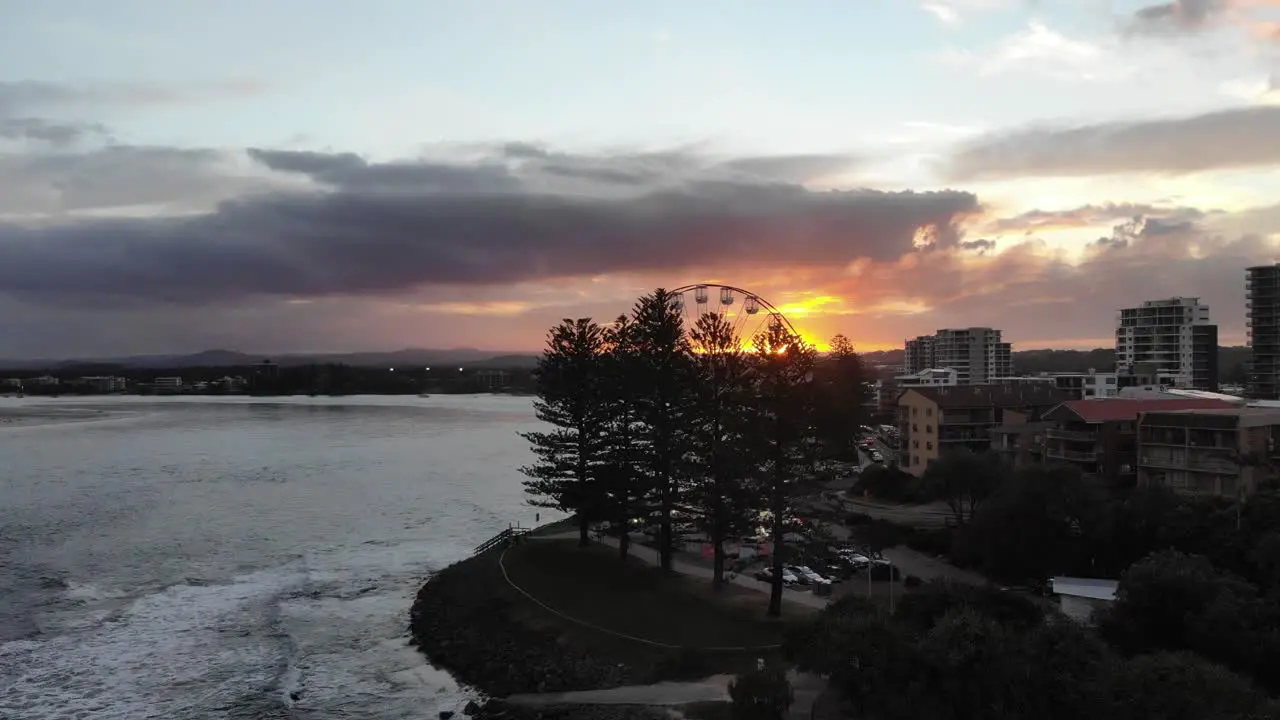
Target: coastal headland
543,615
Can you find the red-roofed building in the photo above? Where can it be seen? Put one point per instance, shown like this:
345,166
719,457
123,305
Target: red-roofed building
1100,436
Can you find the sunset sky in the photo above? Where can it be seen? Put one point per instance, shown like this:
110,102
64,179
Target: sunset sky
327,175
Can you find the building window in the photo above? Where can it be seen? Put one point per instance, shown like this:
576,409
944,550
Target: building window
915,427
915,444
928,429
914,411
928,412
928,446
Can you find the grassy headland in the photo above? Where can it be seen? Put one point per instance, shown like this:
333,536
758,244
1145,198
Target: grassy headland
469,620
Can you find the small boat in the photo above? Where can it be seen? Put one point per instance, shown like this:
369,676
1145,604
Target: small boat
423,395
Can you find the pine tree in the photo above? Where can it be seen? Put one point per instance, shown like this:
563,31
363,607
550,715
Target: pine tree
786,434
620,474
722,387
571,400
842,399
662,369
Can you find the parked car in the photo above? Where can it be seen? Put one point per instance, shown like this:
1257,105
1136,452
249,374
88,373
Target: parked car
766,575
814,578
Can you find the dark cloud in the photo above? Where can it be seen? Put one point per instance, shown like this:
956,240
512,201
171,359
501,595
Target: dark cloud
1178,16
118,176
981,246
1237,138
53,132
1090,215
387,227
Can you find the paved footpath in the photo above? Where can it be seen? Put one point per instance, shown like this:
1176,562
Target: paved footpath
805,687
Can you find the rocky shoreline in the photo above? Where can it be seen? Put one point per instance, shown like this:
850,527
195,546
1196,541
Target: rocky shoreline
462,620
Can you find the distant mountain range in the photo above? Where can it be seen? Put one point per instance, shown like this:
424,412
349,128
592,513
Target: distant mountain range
410,357
1230,360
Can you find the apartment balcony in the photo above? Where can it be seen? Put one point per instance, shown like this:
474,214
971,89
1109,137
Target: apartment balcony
1193,463
1074,435
1058,453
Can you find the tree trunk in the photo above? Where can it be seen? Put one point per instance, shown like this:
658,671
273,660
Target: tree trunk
665,542
624,544
717,562
584,530
775,589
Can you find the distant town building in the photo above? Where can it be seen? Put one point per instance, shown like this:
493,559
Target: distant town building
936,420
1262,317
11,384
42,381
977,354
167,384
1227,451
1176,336
103,383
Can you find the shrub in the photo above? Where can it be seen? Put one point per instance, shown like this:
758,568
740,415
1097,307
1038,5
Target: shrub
682,664
857,518
912,581
760,695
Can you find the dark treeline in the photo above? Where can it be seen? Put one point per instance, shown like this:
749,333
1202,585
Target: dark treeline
1198,603
656,423
317,379
970,653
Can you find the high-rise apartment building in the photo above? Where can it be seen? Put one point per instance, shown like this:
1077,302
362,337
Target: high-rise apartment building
918,356
1175,337
1262,314
976,354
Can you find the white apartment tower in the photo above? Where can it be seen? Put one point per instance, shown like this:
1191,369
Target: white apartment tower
1175,337
976,354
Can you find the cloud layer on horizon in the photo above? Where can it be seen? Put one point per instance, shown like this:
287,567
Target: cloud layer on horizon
375,228
112,246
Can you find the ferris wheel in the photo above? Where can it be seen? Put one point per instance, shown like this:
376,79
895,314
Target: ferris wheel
747,312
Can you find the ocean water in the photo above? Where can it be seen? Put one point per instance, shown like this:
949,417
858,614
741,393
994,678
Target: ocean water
241,558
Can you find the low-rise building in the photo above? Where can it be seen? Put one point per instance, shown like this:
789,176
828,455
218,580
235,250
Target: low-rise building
929,377
936,420
1099,437
1209,451
1019,441
1080,598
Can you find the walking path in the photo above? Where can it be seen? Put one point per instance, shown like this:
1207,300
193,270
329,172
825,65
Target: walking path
806,688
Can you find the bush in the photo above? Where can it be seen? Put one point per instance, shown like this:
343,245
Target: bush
760,695
912,582
856,519
683,664
931,542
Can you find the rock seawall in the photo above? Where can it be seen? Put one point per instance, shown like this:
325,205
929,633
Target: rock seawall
462,620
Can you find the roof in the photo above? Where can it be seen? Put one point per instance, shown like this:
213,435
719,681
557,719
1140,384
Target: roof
1100,410
1094,588
1245,416
979,396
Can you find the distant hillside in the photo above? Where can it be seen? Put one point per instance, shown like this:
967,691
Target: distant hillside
410,357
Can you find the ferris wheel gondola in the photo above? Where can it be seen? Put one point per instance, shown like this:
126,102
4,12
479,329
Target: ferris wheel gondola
747,318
